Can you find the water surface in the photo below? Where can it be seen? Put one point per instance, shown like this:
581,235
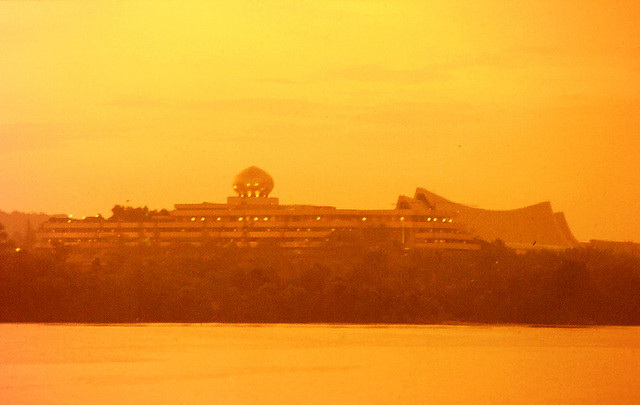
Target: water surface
317,364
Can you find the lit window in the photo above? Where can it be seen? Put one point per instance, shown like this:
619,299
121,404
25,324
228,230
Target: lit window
429,219
265,218
401,218
255,184
235,187
218,219
256,218
444,219
240,218
18,249
249,193
193,218
248,184
364,218
317,218
450,220
202,219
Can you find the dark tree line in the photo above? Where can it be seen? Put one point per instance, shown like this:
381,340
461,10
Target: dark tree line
21,226
134,214
342,283
5,242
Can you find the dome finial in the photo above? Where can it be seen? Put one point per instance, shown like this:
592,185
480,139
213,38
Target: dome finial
253,182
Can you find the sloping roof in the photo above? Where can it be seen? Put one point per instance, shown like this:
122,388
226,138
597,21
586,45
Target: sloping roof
535,226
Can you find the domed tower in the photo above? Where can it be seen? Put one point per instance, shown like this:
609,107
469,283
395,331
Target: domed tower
253,182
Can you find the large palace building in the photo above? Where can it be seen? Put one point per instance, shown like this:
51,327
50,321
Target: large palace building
252,218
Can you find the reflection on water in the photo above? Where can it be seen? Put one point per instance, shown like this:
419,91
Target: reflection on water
316,364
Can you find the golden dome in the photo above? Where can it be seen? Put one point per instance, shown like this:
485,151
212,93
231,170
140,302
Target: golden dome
253,182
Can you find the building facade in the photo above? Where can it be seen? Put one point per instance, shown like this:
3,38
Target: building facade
253,218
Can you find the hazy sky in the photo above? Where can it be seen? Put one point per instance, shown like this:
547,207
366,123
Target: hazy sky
495,104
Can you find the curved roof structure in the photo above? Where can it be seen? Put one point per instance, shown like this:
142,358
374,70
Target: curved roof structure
535,226
253,182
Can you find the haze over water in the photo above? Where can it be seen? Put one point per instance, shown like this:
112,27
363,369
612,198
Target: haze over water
316,364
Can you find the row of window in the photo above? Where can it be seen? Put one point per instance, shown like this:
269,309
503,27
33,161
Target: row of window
438,230
220,240
283,218
205,229
194,230
288,218
419,241
225,241
411,218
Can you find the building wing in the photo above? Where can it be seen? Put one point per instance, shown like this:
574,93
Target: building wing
534,226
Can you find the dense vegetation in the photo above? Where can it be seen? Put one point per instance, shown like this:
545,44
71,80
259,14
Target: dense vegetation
21,226
342,283
133,214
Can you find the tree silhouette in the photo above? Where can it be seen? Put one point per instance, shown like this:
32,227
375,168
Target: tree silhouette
5,242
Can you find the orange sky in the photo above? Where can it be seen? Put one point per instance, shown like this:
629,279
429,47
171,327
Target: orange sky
349,103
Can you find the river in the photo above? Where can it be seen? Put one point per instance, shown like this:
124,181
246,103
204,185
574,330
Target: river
317,364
